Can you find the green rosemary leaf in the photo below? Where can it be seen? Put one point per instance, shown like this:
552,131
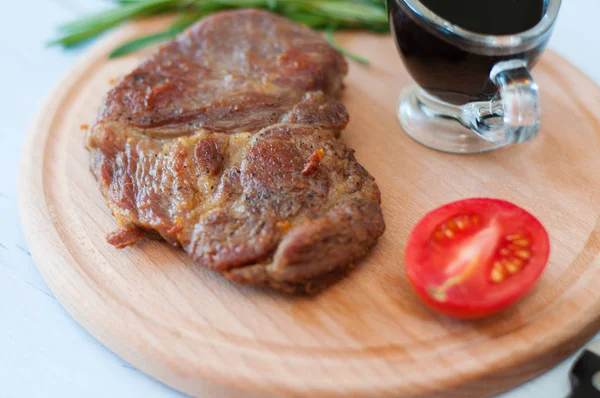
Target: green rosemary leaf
318,14
307,18
142,42
120,14
329,37
240,3
127,1
189,17
73,39
351,11
272,5
181,23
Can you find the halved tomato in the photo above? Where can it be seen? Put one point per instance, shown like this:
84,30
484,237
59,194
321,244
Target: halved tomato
474,257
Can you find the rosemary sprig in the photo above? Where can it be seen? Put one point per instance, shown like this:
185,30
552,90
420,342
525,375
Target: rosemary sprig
329,37
329,15
183,21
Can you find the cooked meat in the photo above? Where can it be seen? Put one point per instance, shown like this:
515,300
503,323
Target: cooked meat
225,142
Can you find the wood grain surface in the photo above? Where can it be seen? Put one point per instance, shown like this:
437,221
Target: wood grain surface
368,335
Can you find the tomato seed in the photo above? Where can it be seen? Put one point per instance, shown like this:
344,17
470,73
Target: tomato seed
521,242
518,262
524,254
512,268
497,274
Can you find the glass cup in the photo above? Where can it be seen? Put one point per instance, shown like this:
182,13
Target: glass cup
474,92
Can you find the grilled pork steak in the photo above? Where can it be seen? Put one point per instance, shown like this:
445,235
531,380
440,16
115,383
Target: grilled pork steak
225,142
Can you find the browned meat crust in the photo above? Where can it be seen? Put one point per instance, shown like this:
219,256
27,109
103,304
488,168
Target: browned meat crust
225,143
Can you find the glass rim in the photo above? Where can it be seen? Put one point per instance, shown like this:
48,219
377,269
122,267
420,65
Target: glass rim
484,43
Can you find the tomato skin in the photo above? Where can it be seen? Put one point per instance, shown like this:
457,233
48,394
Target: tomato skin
460,312
475,295
457,312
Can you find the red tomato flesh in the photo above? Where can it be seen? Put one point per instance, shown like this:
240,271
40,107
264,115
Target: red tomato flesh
475,257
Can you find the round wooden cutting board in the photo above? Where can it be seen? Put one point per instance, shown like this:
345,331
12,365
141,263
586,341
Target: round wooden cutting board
367,335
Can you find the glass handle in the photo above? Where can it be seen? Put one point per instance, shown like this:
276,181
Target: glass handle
515,117
520,100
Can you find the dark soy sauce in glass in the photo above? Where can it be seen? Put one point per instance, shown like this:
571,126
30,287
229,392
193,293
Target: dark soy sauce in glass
458,75
490,17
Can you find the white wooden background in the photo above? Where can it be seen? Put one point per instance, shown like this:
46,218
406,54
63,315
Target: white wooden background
43,352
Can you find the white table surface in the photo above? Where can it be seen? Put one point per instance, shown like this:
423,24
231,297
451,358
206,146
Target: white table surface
43,351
